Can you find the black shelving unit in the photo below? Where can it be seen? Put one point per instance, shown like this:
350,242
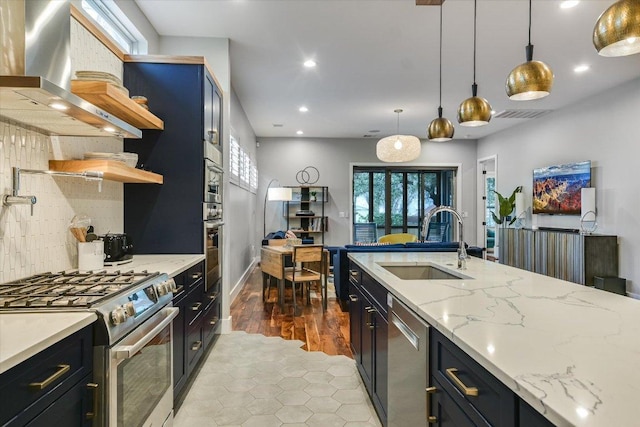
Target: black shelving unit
306,212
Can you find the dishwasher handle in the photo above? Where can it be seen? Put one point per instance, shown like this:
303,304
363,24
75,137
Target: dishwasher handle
406,331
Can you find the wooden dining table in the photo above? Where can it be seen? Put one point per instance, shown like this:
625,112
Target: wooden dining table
273,261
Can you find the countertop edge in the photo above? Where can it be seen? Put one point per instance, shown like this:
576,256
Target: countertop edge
45,342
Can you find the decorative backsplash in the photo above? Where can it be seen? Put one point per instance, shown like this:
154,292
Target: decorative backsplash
42,242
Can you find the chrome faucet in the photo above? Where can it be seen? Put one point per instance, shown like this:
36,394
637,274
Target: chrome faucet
462,252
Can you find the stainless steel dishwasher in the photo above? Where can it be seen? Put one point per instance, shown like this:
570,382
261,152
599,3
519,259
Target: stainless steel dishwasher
408,366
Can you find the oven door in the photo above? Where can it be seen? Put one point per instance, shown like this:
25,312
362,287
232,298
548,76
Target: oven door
141,383
213,182
214,252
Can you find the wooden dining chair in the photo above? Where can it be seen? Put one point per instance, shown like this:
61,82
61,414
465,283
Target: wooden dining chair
311,257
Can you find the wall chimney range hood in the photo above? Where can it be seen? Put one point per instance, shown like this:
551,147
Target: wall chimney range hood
35,73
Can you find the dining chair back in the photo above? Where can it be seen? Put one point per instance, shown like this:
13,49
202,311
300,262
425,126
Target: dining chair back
398,238
312,260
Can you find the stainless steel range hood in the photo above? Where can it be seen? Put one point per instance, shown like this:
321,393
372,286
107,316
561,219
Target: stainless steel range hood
35,74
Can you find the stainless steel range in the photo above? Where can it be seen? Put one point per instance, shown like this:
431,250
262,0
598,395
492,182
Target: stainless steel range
132,338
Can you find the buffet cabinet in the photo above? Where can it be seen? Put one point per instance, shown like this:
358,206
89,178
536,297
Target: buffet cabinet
564,255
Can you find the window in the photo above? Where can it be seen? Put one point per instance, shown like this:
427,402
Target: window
396,198
234,161
242,171
115,23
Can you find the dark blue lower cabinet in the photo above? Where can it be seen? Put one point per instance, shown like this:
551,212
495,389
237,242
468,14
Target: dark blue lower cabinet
70,409
443,410
529,417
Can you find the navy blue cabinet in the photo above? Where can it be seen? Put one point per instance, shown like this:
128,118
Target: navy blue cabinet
168,218
55,384
369,335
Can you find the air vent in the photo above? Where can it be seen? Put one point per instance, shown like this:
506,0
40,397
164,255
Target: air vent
521,114
278,125
367,135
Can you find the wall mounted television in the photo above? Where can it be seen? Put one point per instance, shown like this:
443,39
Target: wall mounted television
557,189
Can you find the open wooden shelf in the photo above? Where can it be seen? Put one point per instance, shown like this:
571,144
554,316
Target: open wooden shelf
113,170
113,100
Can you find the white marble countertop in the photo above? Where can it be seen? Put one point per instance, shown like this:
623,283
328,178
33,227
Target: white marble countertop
23,334
571,352
171,264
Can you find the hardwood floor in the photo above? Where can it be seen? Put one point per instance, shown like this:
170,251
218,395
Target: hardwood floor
327,332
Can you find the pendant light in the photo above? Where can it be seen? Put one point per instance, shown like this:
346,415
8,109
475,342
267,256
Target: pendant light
617,31
530,80
398,148
474,111
440,129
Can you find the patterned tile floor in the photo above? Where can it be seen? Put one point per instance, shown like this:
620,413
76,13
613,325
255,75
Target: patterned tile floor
252,380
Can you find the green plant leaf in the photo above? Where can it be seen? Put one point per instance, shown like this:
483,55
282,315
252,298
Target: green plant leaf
495,218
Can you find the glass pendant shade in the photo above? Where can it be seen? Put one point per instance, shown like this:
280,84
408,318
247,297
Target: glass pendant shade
529,80
398,148
617,31
474,111
440,129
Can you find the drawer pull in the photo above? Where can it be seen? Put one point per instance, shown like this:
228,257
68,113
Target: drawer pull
353,298
213,296
178,290
369,321
431,419
213,321
467,391
96,397
196,276
62,369
196,345
196,306
353,273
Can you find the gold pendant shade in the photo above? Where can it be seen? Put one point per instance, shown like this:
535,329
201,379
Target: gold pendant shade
474,111
440,129
617,31
529,80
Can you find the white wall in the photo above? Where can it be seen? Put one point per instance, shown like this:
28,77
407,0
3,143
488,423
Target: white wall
603,129
282,158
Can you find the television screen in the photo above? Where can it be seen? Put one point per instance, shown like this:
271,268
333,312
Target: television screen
556,189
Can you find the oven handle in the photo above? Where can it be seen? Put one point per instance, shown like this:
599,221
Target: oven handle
128,351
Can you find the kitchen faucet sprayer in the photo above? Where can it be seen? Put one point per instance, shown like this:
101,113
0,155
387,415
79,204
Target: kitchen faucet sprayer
462,252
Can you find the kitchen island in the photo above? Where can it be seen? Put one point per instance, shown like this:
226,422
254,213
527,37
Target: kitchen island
569,351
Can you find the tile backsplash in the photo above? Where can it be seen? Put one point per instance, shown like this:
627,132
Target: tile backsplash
42,242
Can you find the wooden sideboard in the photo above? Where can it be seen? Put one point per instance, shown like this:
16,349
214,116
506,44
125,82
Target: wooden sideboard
563,255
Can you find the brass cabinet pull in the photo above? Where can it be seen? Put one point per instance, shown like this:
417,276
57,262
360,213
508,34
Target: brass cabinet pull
178,290
96,399
196,306
353,298
369,322
353,273
196,345
62,369
467,391
213,321
431,419
197,275
213,296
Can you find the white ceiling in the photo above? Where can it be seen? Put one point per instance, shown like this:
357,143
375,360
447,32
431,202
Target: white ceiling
375,56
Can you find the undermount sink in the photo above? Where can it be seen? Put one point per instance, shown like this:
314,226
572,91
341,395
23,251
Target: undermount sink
422,272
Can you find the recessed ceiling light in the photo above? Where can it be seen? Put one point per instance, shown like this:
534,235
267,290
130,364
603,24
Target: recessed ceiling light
568,4
299,132
581,68
310,63
303,109
58,106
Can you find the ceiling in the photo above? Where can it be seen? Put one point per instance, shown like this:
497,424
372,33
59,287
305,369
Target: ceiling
374,56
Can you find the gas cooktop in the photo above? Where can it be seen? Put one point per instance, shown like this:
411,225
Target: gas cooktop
69,289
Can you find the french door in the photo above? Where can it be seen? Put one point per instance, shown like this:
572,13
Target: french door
396,198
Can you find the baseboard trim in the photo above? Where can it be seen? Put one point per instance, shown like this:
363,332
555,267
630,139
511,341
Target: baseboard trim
633,295
226,325
235,291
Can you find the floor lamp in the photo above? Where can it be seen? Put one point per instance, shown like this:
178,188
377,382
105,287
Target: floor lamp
275,194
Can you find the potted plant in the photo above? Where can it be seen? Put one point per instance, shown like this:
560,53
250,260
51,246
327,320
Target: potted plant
312,197
506,206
